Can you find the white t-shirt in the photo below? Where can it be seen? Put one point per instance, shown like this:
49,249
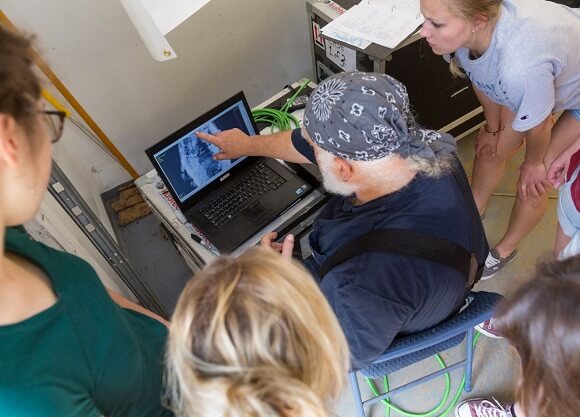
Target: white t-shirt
532,65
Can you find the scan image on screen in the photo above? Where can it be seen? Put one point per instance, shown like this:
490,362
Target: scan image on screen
196,159
188,162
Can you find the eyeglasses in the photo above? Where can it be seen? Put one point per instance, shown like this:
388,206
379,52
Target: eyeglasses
55,121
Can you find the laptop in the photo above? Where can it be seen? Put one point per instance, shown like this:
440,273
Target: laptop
230,200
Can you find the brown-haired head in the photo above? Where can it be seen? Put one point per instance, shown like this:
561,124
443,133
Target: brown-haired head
542,321
19,85
254,336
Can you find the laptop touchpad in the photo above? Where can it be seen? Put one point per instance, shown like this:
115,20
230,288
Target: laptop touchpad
259,213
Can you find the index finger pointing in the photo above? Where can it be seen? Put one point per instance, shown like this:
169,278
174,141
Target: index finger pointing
207,137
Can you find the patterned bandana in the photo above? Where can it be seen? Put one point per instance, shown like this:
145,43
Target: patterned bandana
366,116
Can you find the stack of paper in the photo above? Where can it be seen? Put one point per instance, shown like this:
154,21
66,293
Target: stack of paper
384,22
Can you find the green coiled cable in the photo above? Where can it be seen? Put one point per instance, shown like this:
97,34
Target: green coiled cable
280,119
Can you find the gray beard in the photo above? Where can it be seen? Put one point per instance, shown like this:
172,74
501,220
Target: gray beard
333,185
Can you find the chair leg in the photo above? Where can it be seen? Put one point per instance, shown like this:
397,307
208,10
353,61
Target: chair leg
469,360
356,394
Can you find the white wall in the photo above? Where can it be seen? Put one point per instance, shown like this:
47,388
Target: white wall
229,45
65,235
253,45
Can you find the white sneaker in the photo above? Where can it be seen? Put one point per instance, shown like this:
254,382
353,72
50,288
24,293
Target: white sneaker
489,329
483,408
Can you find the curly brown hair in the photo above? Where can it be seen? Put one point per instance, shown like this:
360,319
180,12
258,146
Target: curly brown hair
541,320
19,86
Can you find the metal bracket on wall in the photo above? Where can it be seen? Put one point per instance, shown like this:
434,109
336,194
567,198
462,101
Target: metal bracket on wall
75,206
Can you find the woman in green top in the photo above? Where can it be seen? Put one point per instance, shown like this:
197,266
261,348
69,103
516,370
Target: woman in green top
66,348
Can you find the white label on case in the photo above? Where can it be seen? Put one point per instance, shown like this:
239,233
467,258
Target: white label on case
341,55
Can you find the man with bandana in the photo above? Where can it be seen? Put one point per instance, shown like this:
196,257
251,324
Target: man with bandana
387,172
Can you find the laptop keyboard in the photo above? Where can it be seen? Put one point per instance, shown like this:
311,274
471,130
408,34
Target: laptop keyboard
257,182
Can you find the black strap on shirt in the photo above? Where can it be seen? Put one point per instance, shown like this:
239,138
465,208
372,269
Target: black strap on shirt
476,268
421,245
403,242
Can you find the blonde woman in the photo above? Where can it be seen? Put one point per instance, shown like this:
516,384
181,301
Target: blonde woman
254,336
522,58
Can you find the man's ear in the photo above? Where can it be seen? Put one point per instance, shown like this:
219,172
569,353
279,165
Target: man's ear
344,169
8,144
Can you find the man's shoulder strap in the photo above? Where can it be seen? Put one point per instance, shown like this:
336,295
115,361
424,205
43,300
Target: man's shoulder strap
403,242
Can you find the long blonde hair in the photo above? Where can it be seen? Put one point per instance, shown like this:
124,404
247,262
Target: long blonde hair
254,336
470,10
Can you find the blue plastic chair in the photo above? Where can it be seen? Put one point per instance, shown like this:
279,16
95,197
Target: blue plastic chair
407,350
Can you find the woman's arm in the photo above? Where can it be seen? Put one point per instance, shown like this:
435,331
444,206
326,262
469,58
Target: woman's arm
128,304
561,140
489,134
558,169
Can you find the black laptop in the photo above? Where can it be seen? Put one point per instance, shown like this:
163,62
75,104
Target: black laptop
229,201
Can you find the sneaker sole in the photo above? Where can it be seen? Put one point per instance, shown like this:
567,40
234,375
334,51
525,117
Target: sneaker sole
499,270
473,399
488,276
486,333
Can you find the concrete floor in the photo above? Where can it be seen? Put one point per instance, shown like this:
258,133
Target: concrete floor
495,363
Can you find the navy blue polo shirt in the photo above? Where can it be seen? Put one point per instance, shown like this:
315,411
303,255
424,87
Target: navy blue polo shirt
378,295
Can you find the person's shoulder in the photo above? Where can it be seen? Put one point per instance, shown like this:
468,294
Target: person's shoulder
434,188
68,273
19,241
71,272
425,201
534,27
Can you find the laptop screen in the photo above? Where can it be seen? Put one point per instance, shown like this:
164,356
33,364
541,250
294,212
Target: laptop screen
187,162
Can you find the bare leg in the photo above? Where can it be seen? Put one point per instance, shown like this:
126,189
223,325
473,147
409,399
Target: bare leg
525,215
561,241
488,170
485,177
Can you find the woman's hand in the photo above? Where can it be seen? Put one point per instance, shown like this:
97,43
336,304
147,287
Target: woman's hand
486,142
558,170
532,180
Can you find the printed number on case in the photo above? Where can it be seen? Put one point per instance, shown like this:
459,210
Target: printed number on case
342,56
